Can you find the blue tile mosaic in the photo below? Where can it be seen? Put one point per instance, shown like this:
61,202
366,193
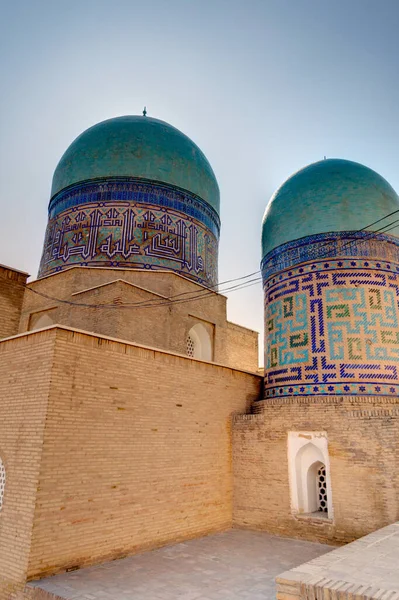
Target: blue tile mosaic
332,324
132,225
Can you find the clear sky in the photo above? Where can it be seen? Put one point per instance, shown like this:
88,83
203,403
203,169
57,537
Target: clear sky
262,86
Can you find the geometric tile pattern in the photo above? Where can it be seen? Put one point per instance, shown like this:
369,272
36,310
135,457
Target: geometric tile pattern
132,225
332,327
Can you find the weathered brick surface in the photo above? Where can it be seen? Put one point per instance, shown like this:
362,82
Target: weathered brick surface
25,374
136,451
164,327
12,290
363,439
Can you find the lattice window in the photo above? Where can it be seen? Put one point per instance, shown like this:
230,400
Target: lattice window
322,489
190,346
2,482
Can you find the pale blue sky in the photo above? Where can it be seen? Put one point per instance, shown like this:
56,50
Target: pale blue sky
262,86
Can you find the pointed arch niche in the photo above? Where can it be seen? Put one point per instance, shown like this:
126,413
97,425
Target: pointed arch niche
40,320
199,343
309,473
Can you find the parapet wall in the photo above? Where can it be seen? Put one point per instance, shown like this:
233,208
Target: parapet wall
367,569
136,451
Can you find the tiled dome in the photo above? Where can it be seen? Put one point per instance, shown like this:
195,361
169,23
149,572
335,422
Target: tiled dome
328,196
138,147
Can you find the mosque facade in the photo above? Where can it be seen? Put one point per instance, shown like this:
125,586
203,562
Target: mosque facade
133,413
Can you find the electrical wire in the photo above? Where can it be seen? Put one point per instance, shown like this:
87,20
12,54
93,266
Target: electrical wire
150,303
191,295
367,226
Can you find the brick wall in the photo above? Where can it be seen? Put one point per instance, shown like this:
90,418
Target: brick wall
137,451
241,346
12,291
363,440
163,327
25,372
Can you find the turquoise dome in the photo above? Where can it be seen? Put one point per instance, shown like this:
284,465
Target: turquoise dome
137,147
328,196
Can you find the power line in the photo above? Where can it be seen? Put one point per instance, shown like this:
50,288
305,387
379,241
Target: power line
367,226
195,295
149,303
372,233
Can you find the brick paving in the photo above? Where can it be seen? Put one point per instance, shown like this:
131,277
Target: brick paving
368,567
234,565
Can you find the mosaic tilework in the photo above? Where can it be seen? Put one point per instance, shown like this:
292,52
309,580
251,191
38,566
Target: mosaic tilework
357,244
137,191
123,233
332,327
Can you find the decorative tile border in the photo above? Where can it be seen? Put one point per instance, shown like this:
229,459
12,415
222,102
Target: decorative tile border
333,390
123,233
138,192
328,246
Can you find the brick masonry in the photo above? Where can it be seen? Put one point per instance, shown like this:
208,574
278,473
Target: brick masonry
128,448
25,374
367,568
12,291
163,327
363,439
231,565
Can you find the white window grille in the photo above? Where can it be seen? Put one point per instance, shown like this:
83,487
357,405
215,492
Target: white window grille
322,489
190,346
2,482
199,343
309,473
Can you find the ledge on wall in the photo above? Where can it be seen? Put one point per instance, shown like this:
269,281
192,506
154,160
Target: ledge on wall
100,337
355,570
315,517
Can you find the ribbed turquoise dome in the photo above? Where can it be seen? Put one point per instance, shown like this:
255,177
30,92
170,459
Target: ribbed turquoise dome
139,147
330,195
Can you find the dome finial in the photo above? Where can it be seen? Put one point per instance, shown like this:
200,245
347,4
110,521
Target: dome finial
145,112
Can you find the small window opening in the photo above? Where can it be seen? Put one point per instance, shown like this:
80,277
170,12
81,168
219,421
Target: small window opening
309,476
2,482
322,489
190,346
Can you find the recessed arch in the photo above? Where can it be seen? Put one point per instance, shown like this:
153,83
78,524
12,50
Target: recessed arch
307,461
199,343
309,471
44,320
